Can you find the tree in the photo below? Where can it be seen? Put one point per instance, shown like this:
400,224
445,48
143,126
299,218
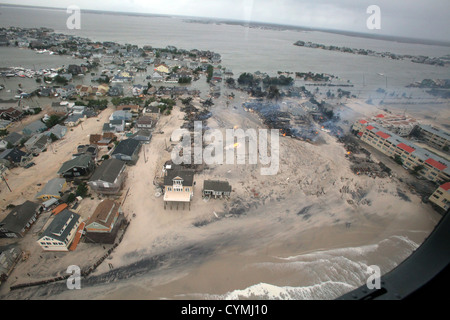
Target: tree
52,121
273,93
209,72
53,137
398,159
82,190
417,169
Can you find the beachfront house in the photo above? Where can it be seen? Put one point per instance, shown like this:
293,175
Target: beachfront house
80,167
9,256
104,224
142,135
109,177
144,122
53,189
216,188
19,220
178,187
58,130
61,231
128,151
121,115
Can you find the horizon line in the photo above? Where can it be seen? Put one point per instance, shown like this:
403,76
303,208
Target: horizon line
358,34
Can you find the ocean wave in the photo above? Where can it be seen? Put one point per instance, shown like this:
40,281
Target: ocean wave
322,291
328,274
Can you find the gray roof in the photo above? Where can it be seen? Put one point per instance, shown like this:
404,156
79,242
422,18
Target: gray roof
81,161
186,175
19,216
13,138
35,126
143,133
127,147
108,171
12,155
58,223
436,131
216,185
58,130
53,187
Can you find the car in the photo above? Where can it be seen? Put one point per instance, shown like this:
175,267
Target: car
29,165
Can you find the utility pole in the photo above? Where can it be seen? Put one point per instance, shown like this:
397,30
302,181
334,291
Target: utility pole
5,182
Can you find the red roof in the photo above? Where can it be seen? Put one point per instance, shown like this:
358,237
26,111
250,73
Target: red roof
362,121
370,127
406,148
436,164
380,115
446,186
383,135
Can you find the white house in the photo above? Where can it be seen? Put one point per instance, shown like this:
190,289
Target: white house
61,231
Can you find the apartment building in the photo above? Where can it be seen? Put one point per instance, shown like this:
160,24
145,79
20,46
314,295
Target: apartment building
435,137
433,167
441,197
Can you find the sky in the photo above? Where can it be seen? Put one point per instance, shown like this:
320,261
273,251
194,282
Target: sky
407,18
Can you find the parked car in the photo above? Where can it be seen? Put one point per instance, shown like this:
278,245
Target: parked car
29,165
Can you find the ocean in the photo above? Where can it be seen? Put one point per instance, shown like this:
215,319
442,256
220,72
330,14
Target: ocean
320,274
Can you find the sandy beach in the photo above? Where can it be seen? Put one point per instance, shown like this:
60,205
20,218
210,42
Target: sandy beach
293,235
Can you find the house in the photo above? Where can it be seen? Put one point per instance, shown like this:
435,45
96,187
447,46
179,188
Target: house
61,231
19,220
80,167
13,157
5,124
9,256
35,127
133,108
91,150
74,69
102,140
11,114
102,90
66,91
58,130
162,68
153,110
121,115
104,224
53,189
74,119
441,198
60,107
84,91
156,77
216,188
127,150
114,126
144,122
138,89
109,177
13,138
115,91
37,143
178,187
142,135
